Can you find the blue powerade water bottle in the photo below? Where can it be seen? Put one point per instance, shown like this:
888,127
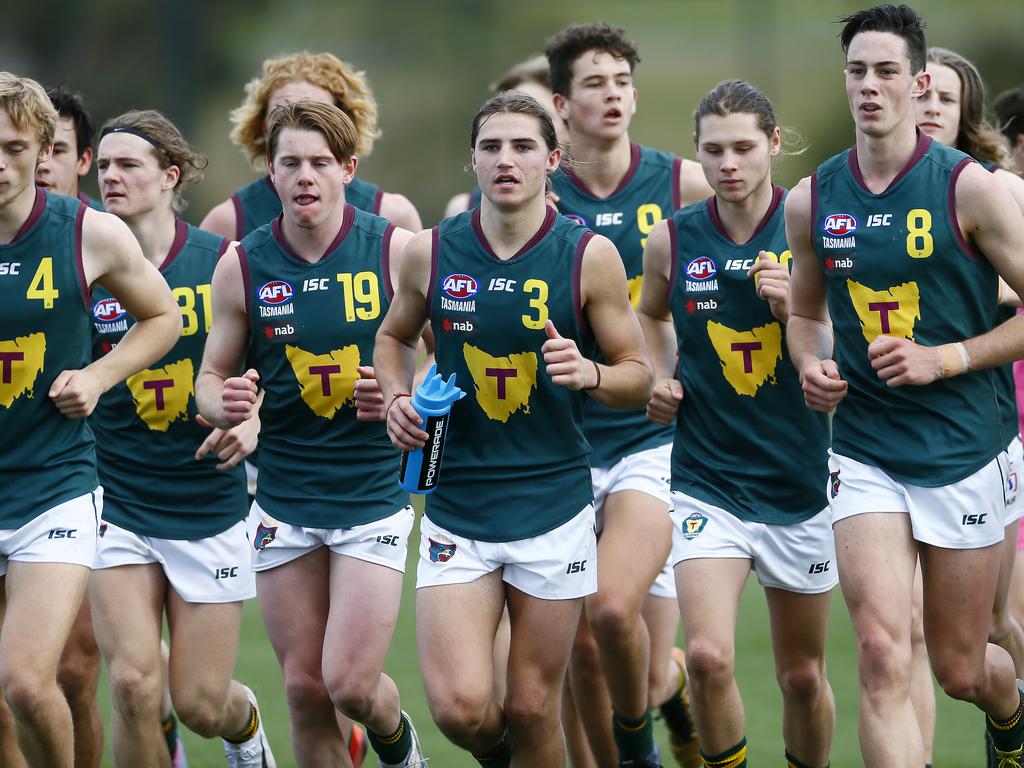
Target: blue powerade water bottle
420,471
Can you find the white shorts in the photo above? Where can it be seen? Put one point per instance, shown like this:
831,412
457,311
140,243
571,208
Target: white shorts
647,471
216,569
1014,498
65,533
797,558
558,565
384,542
964,515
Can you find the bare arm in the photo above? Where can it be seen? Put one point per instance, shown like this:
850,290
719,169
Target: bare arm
395,348
457,205
400,211
223,397
221,220
656,323
693,186
112,258
625,380
809,330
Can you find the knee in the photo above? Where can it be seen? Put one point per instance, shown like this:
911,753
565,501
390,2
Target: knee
958,679
531,710
352,691
611,615
79,674
307,697
201,714
459,715
585,658
709,665
803,681
884,663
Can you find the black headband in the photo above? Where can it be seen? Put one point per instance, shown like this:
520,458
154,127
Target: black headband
135,132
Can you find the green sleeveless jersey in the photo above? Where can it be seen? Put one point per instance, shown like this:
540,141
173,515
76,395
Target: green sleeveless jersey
257,203
96,205
146,429
739,385
311,326
648,193
897,264
515,459
44,329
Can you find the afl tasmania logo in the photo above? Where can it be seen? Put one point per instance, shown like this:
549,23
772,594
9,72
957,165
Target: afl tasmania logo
840,224
275,293
108,310
701,268
460,286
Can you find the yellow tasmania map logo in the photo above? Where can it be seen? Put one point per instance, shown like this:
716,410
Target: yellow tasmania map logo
161,396
326,382
635,286
748,358
890,312
503,384
21,361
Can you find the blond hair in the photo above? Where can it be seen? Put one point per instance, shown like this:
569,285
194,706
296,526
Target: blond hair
29,107
309,115
348,86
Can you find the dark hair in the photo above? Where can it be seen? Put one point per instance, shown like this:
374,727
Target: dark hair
975,135
732,96
70,104
533,70
901,20
516,103
168,143
563,49
328,120
1009,107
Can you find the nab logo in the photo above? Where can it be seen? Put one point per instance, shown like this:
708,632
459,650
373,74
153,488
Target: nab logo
701,268
577,218
840,224
108,310
279,332
608,219
578,566
974,519
819,567
707,306
62,533
879,220
226,573
390,540
276,292
460,286
10,268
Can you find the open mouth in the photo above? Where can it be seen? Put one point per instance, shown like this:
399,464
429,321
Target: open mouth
870,108
305,199
506,180
613,114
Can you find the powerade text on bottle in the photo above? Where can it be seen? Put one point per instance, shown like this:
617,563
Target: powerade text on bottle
420,471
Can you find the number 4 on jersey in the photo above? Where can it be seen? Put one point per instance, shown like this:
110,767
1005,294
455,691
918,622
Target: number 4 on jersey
41,288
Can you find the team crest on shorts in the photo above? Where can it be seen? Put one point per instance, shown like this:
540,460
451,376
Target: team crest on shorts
103,529
264,535
693,525
441,551
833,483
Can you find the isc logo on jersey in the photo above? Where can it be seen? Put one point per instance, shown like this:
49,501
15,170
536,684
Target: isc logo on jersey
276,298
110,316
839,228
700,275
459,290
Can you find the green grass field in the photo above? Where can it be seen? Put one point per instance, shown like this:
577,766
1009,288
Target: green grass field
958,742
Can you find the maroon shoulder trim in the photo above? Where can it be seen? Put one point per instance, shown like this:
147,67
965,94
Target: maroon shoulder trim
545,227
434,242
634,166
180,236
346,226
971,252
923,142
577,288
38,206
236,201
773,206
677,192
378,196
814,207
84,199
243,264
224,243
673,272
83,286
385,261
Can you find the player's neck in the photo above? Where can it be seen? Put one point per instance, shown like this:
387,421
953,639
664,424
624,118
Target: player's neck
601,164
311,243
15,213
507,231
155,231
741,219
881,158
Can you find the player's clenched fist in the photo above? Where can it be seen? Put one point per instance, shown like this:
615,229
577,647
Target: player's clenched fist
75,393
664,403
772,282
823,388
565,364
368,397
239,396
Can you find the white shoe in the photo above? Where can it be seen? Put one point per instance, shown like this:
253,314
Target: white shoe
415,758
254,753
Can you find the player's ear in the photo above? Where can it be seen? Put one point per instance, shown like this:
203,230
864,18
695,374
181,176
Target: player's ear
561,105
922,82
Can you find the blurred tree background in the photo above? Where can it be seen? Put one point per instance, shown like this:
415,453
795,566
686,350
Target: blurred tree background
430,61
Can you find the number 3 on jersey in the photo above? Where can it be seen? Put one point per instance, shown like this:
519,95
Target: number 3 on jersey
537,303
